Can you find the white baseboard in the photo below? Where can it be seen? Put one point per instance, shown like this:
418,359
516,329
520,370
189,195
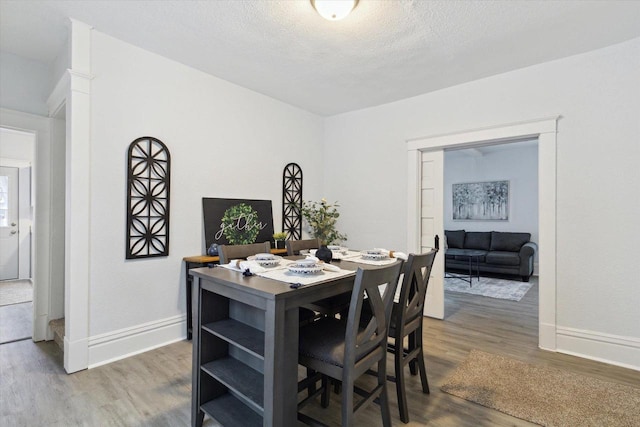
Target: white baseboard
116,345
612,349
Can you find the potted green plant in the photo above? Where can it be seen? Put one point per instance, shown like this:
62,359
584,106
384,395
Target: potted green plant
279,238
321,218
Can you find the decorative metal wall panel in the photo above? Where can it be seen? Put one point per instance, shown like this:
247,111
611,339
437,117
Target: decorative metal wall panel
148,183
292,201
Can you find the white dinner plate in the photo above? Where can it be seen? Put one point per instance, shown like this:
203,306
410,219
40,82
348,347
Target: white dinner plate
265,262
305,270
374,255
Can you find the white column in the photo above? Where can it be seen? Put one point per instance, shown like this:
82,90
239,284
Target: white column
78,201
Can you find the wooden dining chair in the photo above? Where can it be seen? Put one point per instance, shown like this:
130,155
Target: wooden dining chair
343,350
295,246
229,252
406,321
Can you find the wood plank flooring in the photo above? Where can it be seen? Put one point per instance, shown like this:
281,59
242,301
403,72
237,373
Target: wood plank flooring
154,388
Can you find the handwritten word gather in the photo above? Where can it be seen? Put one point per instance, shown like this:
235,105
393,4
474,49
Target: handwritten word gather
243,222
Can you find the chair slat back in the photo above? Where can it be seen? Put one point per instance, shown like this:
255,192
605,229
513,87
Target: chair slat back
295,246
357,342
413,290
229,252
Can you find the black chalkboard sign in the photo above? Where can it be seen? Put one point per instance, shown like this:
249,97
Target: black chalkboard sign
237,221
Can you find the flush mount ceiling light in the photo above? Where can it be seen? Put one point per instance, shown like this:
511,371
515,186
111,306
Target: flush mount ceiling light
334,10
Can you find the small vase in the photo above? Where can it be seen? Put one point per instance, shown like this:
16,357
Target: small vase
279,244
324,254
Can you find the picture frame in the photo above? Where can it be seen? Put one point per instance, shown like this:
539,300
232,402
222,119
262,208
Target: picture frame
481,201
237,221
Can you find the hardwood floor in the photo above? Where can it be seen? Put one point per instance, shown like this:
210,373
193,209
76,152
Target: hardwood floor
154,388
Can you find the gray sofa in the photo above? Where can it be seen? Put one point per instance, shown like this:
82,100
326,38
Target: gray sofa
504,252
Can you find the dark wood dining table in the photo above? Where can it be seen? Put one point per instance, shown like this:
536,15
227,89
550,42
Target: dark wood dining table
245,345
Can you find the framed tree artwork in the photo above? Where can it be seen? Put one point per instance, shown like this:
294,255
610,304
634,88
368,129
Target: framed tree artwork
481,201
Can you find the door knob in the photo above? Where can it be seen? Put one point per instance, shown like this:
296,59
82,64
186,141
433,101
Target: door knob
13,224
14,232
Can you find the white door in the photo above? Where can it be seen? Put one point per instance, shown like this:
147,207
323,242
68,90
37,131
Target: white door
9,223
432,225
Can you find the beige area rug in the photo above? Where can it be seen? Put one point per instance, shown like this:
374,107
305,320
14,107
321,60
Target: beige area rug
546,396
15,292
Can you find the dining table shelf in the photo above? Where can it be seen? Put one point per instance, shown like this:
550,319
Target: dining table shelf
229,411
246,383
239,334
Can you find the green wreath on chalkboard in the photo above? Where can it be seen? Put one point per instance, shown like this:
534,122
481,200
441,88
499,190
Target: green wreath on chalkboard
241,225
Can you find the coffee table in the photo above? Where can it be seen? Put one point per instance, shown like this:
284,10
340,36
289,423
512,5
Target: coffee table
472,255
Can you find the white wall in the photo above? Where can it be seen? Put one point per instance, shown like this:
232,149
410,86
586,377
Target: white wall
24,84
225,141
598,96
516,163
15,144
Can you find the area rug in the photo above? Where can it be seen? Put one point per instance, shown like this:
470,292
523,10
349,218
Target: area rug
546,396
16,322
489,287
15,292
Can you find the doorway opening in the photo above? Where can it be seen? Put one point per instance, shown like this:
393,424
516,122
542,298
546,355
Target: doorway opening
545,132
17,150
492,188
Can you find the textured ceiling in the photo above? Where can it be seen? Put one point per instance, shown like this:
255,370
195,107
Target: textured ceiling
384,51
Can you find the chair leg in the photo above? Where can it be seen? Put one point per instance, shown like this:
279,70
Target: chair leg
423,374
347,402
312,387
420,360
384,397
413,368
400,385
326,392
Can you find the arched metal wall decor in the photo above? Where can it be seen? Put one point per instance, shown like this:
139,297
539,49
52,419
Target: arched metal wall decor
148,183
292,201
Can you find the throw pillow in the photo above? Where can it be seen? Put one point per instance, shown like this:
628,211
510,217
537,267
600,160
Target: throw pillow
477,240
455,238
512,242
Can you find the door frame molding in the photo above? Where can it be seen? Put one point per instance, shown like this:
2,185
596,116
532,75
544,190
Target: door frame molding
545,130
73,93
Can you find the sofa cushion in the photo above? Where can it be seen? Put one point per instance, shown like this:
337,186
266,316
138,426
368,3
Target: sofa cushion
512,242
455,238
462,255
477,240
502,258
478,258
